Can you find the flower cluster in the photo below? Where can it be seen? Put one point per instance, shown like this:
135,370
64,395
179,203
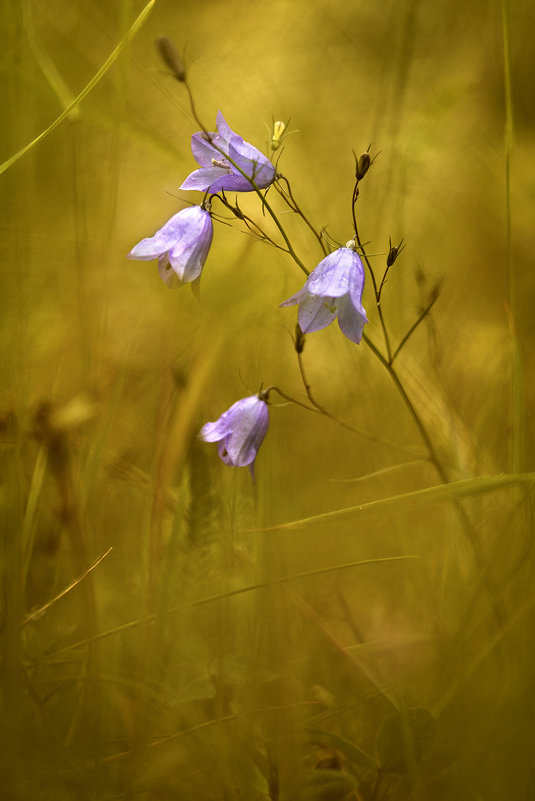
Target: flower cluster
226,162
332,290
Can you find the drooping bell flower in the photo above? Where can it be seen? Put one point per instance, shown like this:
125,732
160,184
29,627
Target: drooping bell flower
333,289
181,246
214,153
239,432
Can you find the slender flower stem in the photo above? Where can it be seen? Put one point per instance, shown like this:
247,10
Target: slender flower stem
467,525
413,327
290,200
377,291
317,409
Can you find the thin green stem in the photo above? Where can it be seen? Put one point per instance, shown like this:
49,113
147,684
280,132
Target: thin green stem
368,265
290,200
413,327
517,393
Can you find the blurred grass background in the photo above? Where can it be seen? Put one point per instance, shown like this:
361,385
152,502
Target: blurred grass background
148,679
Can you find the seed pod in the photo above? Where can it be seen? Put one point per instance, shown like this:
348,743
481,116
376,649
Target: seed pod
170,58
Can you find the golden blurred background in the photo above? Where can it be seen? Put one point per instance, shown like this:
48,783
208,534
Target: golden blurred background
129,678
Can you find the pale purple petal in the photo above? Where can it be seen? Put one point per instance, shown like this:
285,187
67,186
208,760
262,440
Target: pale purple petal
202,179
316,313
331,277
153,246
297,298
188,254
239,431
351,320
249,429
167,274
213,432
223,128
181,245
205,150
231,182
252,162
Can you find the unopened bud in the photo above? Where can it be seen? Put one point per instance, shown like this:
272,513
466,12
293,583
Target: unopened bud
362,166
278,131
170,58
392,256
299,339
393,253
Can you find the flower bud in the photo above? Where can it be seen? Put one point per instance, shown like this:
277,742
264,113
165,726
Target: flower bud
170,58
363,164
278,131
393,253
392,256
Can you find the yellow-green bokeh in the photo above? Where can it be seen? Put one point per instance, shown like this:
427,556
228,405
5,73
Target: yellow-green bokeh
106,376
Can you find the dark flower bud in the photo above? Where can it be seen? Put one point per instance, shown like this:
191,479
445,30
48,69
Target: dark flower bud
299,343
170,58
392,256
393,253
363,164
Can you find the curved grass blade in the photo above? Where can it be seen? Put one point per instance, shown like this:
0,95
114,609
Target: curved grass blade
87,89
465,488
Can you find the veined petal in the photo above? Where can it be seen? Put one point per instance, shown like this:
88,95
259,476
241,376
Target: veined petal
231,182
351,319
248,431
223,128
316,313
167,274
255,165
239,431
153,246
356,285
332,276
205,150
189,251
297,298
202,178
213,432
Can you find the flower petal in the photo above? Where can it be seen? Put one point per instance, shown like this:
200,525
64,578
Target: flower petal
351,320
189,252
315,313
255,165
297,298
204,149
239,431
331,278
153,246
249,429
223,128
167,274
202,179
